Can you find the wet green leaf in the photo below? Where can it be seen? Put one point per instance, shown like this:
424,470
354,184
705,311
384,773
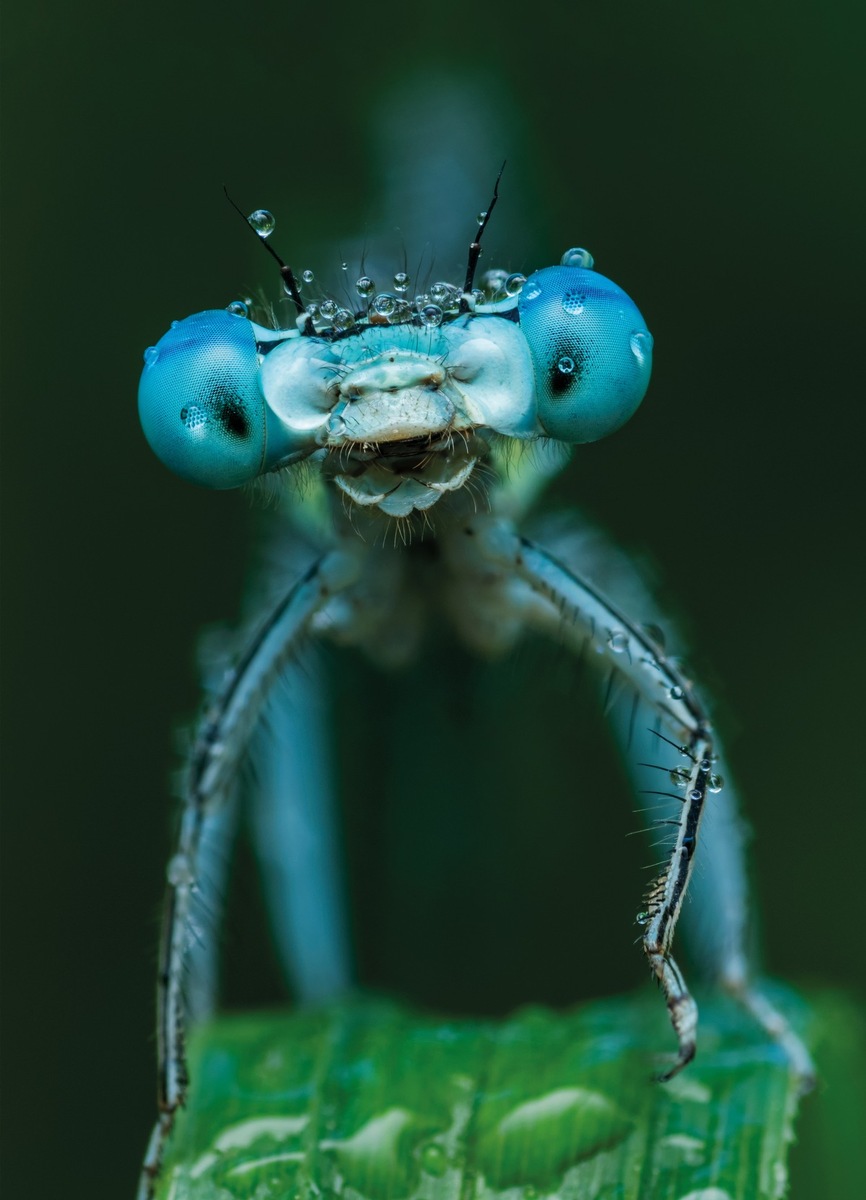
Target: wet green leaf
374,1102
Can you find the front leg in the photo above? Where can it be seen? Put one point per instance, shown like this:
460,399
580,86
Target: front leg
568,607
219,748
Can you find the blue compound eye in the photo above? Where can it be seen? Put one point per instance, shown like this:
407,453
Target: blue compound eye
200,403
591,351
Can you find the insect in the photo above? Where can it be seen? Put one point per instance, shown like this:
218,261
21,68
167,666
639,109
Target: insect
408,417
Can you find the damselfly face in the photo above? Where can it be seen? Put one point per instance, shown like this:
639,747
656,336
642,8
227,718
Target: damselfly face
398,403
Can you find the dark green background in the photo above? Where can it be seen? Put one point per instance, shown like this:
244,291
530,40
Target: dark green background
711,157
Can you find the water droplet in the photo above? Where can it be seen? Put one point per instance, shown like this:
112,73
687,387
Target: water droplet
617,641
307,276
343,320
574,302
401,282
704,765
642,918
478,296
238,309
716,784
641,342
365,286
385,305
431,315
421,299
440,293
263,222
565,366
482,217
151,354
328,309
577,257
434,1160
676,693
178,872
312,309
680,777
696,794
514,284
494,280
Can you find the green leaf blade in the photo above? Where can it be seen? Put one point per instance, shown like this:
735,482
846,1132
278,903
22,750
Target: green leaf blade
370,1101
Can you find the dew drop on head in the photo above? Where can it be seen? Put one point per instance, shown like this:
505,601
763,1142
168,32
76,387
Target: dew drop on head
494,280
431,315
384,305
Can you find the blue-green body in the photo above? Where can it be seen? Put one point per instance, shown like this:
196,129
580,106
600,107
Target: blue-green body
408,412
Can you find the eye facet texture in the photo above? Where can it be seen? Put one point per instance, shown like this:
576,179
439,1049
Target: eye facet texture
200,402
591,351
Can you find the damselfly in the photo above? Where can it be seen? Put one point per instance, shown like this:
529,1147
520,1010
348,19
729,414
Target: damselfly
409,418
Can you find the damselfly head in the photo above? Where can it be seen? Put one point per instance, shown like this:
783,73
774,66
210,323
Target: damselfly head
397,397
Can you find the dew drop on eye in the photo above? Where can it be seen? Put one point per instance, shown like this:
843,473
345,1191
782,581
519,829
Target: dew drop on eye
641,343
577,257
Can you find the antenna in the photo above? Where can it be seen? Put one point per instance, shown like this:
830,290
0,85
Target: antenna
288,275
475,245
